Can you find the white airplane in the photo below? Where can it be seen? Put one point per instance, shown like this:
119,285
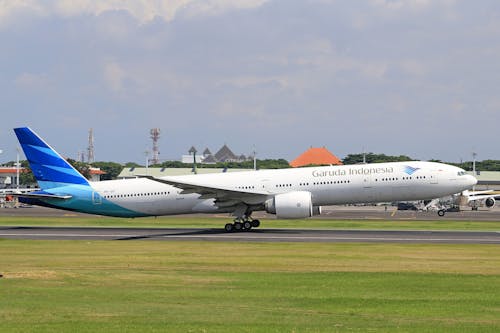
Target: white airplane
7,191
288,193
476,199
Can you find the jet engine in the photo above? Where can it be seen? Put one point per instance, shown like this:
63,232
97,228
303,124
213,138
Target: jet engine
292,205
489,202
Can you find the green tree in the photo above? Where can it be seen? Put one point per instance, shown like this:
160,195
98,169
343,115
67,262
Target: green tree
26,178
132,165
272,164
82,167
174,164
374,158
261,164
112,169
486,165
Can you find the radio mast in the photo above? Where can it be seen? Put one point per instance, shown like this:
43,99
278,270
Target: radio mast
155,136
90,149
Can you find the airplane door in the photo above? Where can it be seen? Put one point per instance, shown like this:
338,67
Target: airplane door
96,198
367,182
367,188
266,185
434,179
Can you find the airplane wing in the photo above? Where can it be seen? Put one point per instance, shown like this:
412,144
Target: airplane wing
224,197
480,195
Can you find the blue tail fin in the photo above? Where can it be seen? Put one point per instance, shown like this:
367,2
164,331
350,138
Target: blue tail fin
48,167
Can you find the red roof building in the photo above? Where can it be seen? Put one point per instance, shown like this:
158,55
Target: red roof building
316,156
8,175
95,174
11,171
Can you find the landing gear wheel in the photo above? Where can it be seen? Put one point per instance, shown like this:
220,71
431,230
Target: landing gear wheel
441,212
229,227
247,225
255,223
238,226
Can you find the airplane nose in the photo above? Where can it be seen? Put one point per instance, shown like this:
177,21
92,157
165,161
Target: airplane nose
471,180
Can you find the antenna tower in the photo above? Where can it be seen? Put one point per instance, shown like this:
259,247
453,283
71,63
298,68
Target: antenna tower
155,136
90,149
81,156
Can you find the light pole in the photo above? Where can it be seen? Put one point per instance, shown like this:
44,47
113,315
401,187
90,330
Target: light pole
474,163
193,151
474,154
254,158
146,153
17,169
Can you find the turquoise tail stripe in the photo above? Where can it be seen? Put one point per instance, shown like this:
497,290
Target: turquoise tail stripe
83,199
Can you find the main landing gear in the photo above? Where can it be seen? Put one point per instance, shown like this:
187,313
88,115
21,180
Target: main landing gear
242,224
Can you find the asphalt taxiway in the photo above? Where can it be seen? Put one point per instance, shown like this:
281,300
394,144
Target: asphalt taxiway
256,235
266,235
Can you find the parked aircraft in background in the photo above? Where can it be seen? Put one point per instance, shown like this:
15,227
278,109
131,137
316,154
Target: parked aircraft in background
476,199
288,193
453,203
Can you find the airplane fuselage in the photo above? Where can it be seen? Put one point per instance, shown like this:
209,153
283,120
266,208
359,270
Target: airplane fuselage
330,185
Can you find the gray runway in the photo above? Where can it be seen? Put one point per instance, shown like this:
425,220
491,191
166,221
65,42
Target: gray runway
256,235
267,235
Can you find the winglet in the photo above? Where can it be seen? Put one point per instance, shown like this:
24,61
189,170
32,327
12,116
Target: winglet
48,167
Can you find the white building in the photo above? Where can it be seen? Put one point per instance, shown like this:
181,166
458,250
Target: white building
8,176
224,154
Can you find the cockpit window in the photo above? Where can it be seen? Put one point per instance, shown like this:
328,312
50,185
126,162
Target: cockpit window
462,173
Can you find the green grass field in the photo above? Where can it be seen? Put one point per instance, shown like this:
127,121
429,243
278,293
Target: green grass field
218,222
151,286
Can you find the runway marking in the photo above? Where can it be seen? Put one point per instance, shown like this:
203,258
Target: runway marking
343,238
67,235
246,236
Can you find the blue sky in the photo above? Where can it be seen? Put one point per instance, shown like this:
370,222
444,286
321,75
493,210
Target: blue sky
417,77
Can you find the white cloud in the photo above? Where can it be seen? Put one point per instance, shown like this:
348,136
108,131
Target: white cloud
31,81
404,10
216,7
142,10
413,67
342,72
10,9
398,4
414,5
114,76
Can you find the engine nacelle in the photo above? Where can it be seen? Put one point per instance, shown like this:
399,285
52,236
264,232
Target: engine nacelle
489,202
292,205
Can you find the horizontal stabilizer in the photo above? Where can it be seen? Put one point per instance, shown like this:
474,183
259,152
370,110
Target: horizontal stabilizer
41,195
